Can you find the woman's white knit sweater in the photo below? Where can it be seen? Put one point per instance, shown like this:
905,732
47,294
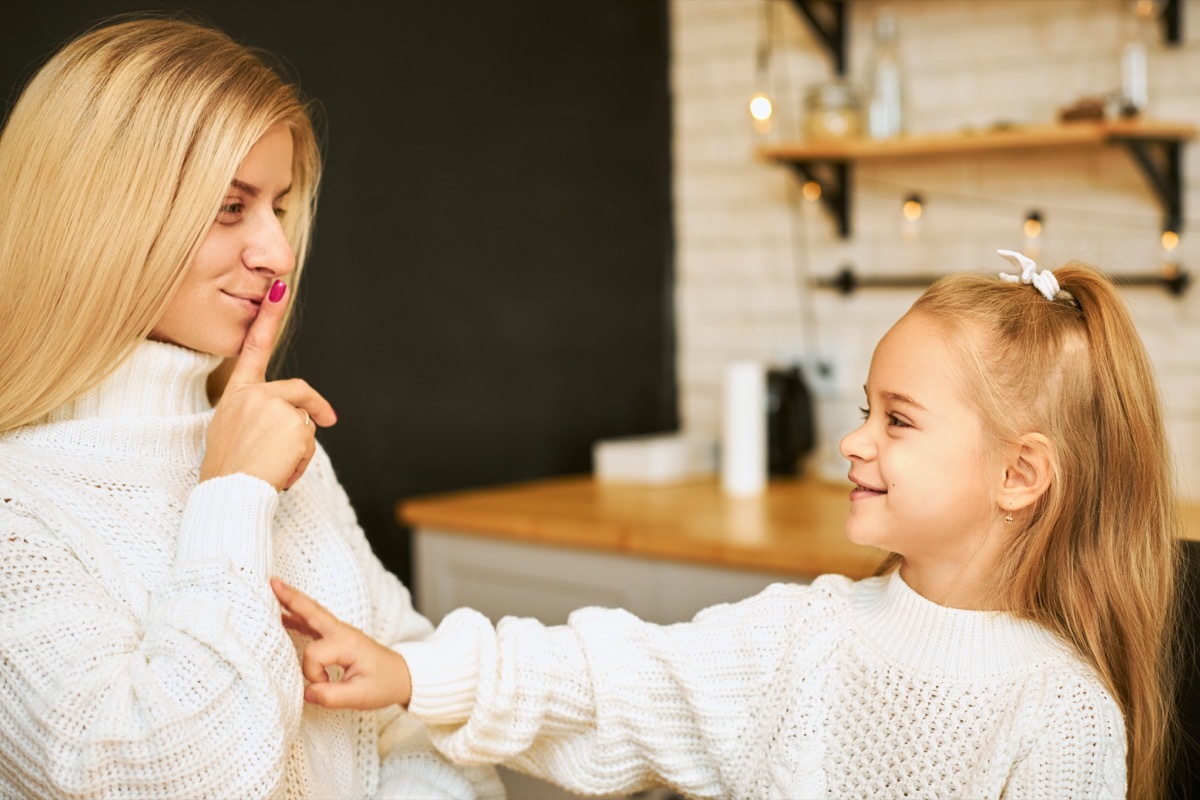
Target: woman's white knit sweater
141,650
838,689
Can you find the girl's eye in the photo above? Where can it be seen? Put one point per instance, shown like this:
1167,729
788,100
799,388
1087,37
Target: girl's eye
280,212
866,412
896,422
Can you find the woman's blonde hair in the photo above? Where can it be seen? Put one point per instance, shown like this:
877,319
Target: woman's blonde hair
114,162
1096,562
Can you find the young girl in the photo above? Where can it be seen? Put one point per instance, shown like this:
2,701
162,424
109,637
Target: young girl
158,184
1013,460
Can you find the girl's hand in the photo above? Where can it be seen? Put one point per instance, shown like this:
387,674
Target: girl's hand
264,429
373,676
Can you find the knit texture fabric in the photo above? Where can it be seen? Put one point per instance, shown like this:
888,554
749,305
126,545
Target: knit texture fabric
837,689
141,649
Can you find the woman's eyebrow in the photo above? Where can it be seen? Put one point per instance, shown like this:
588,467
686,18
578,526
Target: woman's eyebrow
253,190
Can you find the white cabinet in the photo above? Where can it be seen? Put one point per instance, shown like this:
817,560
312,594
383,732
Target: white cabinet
506,578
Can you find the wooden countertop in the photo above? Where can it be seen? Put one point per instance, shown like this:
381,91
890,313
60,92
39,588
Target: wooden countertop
796,527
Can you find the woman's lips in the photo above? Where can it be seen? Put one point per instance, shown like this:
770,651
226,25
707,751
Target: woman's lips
248,303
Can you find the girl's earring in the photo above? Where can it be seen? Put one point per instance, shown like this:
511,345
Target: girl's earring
1009,518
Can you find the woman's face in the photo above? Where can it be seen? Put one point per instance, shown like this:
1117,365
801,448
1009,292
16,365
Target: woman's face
242,254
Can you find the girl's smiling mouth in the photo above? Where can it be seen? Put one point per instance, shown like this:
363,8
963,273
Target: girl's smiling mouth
862,491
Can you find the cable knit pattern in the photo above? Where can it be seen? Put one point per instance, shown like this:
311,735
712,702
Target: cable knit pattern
141,653
837,689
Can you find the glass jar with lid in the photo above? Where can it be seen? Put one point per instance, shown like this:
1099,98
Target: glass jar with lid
832,110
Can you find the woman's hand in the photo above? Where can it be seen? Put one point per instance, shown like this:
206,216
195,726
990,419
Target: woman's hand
260,428
373,676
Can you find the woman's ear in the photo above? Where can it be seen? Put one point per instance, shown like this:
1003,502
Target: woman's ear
1028,472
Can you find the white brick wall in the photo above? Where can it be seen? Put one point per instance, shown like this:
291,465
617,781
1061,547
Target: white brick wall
745,241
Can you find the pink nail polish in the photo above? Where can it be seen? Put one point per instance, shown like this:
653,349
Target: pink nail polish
277,291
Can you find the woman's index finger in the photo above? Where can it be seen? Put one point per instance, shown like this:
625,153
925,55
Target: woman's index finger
255,356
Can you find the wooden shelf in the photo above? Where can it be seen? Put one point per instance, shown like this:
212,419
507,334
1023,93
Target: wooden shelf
1022,137
1156,148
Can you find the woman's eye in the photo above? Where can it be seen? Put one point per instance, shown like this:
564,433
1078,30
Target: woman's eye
228,212
280,212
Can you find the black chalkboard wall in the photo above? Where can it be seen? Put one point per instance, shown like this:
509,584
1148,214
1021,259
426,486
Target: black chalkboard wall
490,289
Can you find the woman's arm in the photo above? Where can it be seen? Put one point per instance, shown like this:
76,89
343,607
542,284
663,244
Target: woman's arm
197,696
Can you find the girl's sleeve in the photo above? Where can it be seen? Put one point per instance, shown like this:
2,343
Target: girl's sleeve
410,766
197,696
606,703
1079,751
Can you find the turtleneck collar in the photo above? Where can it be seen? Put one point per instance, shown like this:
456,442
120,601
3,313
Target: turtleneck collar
156,380
908,629
154,404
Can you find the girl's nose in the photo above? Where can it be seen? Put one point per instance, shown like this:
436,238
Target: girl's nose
267,250
856,444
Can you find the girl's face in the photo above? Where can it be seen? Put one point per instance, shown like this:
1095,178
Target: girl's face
243,252
923,487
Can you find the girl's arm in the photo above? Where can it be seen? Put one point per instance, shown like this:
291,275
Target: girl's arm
607,703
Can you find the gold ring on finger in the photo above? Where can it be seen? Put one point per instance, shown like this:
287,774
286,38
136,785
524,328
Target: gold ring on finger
307,418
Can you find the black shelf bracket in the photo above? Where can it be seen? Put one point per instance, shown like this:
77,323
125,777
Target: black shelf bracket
827,18
1172,21
1164,173
846,281
834,178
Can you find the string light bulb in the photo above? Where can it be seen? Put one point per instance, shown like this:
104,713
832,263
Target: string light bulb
1170,253
760,105
811,190
761,112
911,210
1032,228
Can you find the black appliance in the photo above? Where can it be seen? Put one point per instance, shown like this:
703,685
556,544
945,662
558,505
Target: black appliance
791,431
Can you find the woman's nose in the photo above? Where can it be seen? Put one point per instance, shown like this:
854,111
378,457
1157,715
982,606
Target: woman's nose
267,250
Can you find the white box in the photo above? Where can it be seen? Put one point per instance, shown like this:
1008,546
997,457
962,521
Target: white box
657,458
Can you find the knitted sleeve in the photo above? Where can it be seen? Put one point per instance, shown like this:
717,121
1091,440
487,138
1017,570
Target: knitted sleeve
606,703
1080,751
410,766
191,691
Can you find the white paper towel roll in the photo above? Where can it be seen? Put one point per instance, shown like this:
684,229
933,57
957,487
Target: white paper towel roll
744,435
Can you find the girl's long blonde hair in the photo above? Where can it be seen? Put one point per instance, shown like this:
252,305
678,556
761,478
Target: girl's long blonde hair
1096,563
114,162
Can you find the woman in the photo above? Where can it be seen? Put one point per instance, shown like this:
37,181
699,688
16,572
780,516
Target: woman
160,182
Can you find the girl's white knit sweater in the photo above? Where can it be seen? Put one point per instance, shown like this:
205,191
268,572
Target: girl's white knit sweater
838,689
141,651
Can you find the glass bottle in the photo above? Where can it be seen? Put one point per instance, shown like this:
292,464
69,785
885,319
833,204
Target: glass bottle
885,110
1135,94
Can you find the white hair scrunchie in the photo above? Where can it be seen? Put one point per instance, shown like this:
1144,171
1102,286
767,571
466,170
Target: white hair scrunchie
1043,281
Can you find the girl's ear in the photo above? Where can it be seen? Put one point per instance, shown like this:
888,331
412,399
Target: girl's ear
1028,471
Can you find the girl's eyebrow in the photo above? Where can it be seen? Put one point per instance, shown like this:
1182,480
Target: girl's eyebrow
903,398
897,397
253,190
